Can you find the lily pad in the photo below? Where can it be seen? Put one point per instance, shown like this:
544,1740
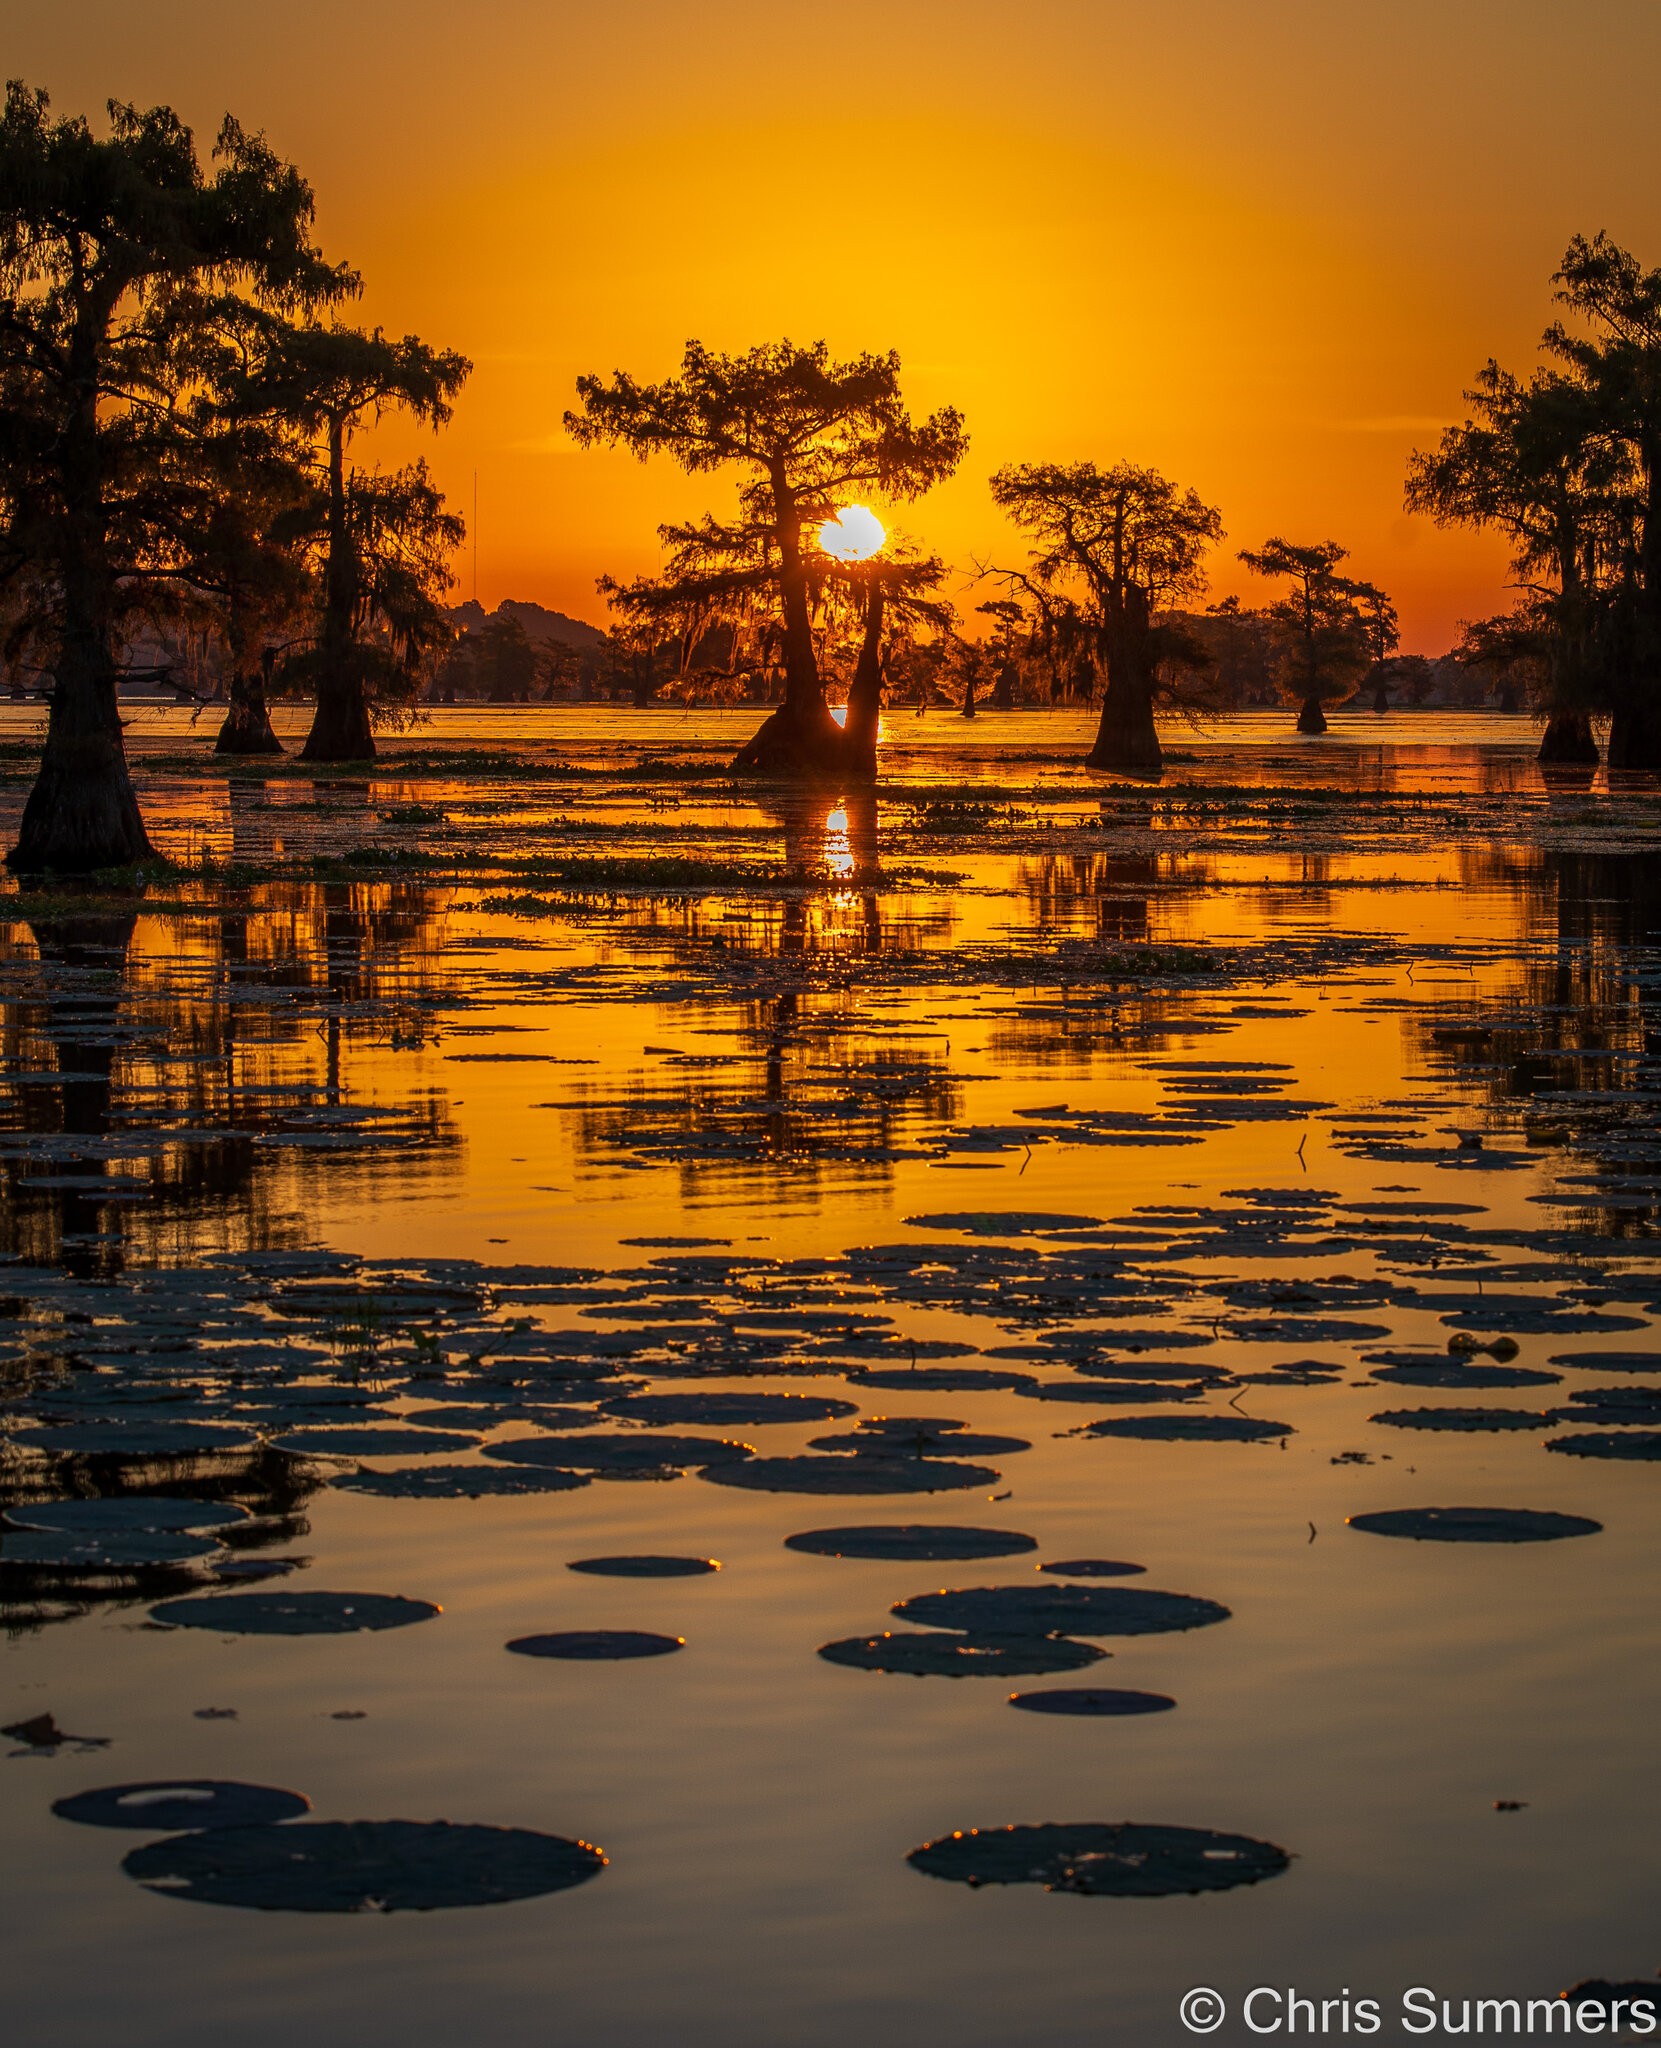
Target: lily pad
644,1567
642,1451
294,1614
1001,1222
597,1645
1092,1701
919,1540
111,1551
730,1411
167,1804
1121,1860
1190,1429
1459,1418
1608,1361
370,1441
1092,1568
125,1513
1060,1610
1475,1525
461,1482
814,1474
384,1866
1641,1445
952,1655
139,1437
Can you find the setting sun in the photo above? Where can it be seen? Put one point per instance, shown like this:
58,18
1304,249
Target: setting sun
854,535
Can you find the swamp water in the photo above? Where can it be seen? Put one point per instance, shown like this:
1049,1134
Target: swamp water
539,1155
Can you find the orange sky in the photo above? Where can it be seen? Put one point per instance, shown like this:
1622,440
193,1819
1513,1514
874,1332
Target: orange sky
1261,247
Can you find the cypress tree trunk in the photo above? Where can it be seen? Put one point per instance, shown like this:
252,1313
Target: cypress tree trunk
340,729
82,814
1635,735
1311,718
247,728
800,741
1126,738
969,695
859,735
1568,742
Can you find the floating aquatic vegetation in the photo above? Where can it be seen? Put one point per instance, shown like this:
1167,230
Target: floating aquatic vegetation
597,1645
1087,1700
460,1482
294,1614
1001,1222
1061,1610
124,1514
136,1437
1450,1373
1459,1418
1121,1860
872,1475
916,1540
920,1443
982,1654
643,1451
1475,1525
644,1566
108,1550
1092,1568
1643,1446
364,1866
939,1379
165,1804
1189,1429
732,1411
371,1441
1608,1361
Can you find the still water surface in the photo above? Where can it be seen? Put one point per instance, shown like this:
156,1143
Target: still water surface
1267,1022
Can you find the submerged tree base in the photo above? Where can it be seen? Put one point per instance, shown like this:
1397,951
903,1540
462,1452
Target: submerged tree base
1635,739
1568,742
1311,718
340,731
1126,739
247,728
82,814
800,743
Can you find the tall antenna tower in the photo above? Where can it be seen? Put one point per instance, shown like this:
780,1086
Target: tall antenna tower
475,536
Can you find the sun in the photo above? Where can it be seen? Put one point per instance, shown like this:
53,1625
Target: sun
854,535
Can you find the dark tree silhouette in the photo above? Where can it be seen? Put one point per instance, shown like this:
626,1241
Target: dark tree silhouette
1616,364
1533,462
383,539
1325,627
110,249
808,435
1112,548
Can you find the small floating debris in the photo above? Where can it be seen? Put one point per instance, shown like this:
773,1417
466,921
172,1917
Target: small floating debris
363,1866
1123,1860
644,1567
41,1731
1475,1525
597,1645
1061,1610
166,1804
922,1541
294,1614
1091,1700
961,1655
